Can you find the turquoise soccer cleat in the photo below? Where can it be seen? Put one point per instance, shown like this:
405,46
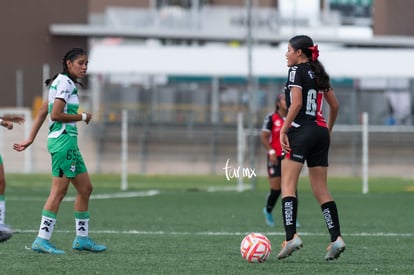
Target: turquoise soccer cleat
86,243
44,246
268,218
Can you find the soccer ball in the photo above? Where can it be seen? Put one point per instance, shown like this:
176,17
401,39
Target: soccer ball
255,247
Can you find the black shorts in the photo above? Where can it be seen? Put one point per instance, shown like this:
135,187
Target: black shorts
309,143
274,170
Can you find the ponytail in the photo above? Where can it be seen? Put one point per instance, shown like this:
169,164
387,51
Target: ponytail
49,80
322,77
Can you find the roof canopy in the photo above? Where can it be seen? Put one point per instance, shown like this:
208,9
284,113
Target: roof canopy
233,61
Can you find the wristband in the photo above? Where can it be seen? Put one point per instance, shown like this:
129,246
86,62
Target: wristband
84,116
272,152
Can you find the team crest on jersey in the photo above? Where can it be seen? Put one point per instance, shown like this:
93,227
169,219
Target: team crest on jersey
278,123
311,74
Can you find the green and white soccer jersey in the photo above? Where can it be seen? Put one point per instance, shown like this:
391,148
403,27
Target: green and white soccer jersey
64,88
63,136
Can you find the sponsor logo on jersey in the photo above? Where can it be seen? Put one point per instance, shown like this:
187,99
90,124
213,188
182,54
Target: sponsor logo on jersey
278,123
62,92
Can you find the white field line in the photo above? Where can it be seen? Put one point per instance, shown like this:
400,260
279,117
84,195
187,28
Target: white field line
132,194
229,188
208,233
118,195
172,233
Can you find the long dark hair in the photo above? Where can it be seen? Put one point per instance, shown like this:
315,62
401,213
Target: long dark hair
70,55
305,43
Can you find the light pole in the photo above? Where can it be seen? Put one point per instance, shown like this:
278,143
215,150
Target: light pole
251,92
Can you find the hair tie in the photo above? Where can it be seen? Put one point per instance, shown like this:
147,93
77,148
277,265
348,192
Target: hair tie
315,52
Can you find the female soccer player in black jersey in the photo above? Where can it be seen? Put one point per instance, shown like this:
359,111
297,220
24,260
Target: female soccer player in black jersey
305,136
271,141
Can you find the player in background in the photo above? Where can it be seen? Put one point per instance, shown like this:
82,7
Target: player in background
305,136
68,165
5,231
270,138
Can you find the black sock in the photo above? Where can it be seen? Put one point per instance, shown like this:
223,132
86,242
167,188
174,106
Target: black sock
297,205
271,200
289,210
330,213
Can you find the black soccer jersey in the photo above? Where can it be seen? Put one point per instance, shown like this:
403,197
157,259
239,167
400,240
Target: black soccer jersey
302,76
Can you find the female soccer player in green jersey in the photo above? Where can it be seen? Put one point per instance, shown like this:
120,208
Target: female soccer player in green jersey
68,165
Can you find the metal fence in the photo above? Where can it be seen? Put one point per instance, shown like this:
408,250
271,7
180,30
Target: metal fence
166,148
